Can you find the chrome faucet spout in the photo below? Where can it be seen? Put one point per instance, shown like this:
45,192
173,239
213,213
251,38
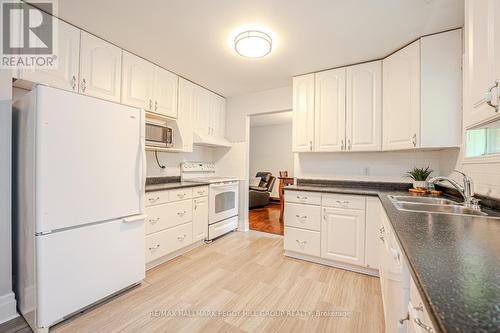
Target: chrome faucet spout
466,190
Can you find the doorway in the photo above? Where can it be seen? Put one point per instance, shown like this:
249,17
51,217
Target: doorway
270,153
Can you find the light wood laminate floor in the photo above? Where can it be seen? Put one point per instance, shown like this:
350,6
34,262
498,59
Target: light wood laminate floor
241,271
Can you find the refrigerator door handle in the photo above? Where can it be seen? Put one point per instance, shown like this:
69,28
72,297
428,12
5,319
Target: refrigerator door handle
134,218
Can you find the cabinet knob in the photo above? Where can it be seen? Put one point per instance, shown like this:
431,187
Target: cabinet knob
84,85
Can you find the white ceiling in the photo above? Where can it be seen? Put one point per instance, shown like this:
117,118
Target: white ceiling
192,37
271,119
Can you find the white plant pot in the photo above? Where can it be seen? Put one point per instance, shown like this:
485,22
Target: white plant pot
420,184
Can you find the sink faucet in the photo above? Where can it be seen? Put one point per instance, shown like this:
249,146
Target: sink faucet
465,190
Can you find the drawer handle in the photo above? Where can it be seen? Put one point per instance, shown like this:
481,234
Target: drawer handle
382,239
201,192
343,202
154,199
420,307
182,213
301,243
181,238
301,198
424,326
154,247
181,195
381,230
154,221
301,218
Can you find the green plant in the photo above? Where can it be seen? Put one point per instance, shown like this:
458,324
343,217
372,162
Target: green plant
419,174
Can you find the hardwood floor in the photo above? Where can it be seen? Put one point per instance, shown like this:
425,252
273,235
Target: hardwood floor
16,325
266,219
239,272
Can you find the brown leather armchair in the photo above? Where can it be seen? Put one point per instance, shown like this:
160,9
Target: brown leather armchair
260,195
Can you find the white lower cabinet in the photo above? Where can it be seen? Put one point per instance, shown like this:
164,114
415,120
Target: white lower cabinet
175,220
331,227
302,241
418,317
343,235
200,218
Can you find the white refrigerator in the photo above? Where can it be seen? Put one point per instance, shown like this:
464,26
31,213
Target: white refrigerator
78,180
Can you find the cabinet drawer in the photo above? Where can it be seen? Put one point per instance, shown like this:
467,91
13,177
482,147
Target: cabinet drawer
156,198
303,216
168,241
419,317
179,212
200,191
311,198
302,241
180,194
157,218
343,201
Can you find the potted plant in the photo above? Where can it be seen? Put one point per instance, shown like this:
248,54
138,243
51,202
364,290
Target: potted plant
419,176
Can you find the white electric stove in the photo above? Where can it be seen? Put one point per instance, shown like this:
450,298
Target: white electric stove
223,196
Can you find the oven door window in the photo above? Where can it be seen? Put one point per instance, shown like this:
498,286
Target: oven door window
225,201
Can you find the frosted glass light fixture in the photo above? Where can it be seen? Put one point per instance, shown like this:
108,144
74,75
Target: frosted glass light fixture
253,44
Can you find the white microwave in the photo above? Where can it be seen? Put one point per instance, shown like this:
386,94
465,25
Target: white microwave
159,134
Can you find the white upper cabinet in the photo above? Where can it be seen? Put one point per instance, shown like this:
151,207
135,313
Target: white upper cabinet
343,235
303,113
65,75
482,59
100,68
165,92
364,107
329,110
137,81
202,111
187,102
422,94
401,98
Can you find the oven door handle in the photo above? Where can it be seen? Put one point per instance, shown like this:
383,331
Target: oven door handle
218,186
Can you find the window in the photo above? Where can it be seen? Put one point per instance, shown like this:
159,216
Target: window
483,140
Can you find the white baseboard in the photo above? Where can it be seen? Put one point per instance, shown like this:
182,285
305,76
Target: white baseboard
348,267
7,307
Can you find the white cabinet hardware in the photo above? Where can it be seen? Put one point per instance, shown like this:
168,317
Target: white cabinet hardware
157,246
489,96
154,221
154,199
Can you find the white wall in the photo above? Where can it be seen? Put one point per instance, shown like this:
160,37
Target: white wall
7,299
271,150
239,107
172,161
373,166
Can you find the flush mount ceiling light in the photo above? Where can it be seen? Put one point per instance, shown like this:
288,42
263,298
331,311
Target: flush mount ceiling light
253,44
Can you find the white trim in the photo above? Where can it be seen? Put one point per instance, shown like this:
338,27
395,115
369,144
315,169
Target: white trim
7,307
491,158
349,267
173,255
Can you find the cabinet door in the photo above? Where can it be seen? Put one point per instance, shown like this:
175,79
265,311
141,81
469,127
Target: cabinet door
401,98
65,76
373,216
221,126
100,68
364,107
165,92
303,113
185,116
343,235
202,111
137,82
482,55
213,114
329,110
200,218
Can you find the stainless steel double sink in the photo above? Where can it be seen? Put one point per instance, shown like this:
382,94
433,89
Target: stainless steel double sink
434,205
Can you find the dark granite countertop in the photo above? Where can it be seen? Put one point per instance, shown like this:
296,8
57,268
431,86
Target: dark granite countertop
454,260
168,183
